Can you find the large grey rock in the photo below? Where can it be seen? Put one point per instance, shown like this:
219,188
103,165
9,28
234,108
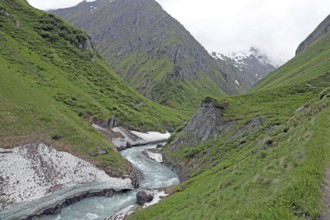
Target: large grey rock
112,122
252,126
142,197
208,122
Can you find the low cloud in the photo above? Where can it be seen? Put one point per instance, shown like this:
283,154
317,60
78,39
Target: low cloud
276,27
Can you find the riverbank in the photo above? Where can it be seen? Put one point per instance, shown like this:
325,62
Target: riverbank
30,172
53,203
153,176
46,180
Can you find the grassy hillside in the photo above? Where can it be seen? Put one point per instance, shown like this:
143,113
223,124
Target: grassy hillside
54,84
307,65
272,170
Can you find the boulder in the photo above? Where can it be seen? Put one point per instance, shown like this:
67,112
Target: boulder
128,145
266,142
159,146
325,93
101,151
112,122
142,197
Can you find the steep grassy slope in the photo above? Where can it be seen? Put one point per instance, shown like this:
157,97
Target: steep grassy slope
53,83
307,65
320,30
151,51
269,163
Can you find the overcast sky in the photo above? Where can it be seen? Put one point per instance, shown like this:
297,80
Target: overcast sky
274,26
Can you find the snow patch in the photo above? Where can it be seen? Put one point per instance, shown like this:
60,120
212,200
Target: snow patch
152,136
92,8
237,82
155,156
30,172
129,136
122,213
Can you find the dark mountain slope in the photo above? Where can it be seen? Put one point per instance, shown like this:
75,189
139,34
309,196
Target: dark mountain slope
54,84
151,51
261,155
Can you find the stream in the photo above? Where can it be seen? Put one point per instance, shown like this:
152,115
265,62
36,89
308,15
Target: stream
154,175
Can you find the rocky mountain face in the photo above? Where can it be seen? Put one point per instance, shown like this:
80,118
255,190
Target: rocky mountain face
246,68
207,123
152,51
323,28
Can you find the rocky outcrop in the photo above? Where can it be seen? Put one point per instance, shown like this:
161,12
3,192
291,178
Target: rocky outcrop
207,123
4,12
142,197
323,28
325,93
249,128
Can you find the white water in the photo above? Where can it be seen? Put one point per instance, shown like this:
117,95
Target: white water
155,175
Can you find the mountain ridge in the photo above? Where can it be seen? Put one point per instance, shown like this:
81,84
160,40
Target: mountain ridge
151,51
245,67
322,28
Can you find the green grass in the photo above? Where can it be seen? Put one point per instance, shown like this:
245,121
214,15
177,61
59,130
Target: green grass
239,177
309,64
153,78
248,181
54,85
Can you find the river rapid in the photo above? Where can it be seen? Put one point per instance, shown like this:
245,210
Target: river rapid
152,175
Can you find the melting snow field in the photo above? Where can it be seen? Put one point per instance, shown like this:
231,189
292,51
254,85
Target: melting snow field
32,171
152,136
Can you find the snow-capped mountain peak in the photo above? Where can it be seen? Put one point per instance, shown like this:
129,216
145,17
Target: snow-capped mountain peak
245,67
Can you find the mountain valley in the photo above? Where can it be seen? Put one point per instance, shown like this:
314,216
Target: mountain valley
248,139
